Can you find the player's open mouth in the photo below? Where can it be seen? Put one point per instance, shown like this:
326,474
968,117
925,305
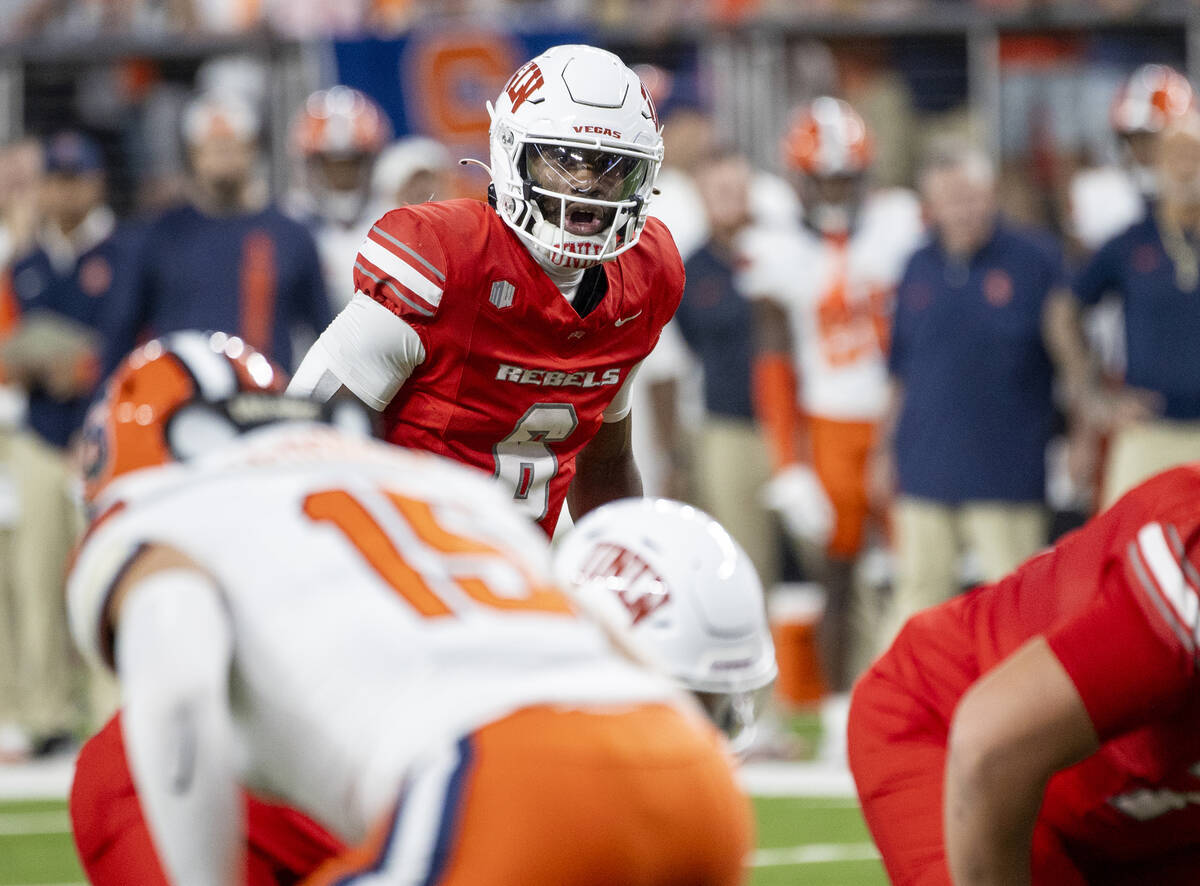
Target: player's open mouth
584,220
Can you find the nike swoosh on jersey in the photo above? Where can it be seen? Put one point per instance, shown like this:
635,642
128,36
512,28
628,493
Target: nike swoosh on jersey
624,320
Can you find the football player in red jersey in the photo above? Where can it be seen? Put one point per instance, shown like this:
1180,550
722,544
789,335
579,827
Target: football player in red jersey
1046,729
504,335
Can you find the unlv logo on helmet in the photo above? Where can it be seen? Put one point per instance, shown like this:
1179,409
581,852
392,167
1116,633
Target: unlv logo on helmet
634,581
524,84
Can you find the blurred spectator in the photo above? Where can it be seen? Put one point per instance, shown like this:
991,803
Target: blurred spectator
1105,201
1154,267
666,387
1108,199
20,171
688,139
824,330
78,261
971,405
335,138
716,324
413,170
228,261
666,400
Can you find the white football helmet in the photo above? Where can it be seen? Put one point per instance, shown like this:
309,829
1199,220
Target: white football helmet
688,595
575,150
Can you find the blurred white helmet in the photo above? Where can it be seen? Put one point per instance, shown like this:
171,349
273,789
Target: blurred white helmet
220,115
688,595
575,150
405,158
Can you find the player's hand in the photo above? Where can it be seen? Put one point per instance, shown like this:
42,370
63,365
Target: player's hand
1110,410
796,494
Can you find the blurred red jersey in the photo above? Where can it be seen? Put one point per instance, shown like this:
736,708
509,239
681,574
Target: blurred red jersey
514,381
1119,604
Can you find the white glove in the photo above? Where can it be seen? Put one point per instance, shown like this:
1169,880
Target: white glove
798,497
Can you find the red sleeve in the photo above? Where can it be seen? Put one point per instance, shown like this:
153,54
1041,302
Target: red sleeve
1127,655
402,265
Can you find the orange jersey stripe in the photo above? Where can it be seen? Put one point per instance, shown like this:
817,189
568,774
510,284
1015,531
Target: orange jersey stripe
258,279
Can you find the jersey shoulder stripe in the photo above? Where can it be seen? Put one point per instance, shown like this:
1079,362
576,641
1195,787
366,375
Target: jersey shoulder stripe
410,252
397,291
400,270
1162,577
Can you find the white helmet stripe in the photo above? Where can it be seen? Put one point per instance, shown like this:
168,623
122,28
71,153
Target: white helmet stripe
213,371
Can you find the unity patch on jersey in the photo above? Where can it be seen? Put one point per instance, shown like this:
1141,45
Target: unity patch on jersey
502,294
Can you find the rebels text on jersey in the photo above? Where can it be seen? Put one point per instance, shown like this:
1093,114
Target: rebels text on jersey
513,380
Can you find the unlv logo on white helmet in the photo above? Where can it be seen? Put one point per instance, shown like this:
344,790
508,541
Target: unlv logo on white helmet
683,593
639,588
575,150
523,84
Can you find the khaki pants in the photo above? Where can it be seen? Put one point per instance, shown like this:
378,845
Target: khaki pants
731,468
40,675
1140,451
929,537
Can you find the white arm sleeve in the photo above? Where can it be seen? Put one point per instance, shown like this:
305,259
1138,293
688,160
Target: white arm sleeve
366,348
174,647
622,402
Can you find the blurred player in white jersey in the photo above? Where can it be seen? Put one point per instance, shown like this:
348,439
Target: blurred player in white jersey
336,137
823,292
371,636
1108,199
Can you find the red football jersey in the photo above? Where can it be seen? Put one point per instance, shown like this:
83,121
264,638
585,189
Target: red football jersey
1119,604
514,381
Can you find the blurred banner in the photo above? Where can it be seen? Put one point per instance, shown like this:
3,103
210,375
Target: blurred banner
435,82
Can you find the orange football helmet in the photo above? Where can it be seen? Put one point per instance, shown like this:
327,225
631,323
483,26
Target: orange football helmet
176,397
1153,96
826,138
341,121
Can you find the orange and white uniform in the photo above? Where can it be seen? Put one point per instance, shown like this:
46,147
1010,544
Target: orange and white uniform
405,673
837,291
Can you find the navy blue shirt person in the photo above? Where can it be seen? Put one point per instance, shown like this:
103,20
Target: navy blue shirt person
716,322
1162,314
228,261
1153,419
80,264
972,381
967,347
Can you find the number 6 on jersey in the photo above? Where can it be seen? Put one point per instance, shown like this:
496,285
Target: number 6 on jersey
525,463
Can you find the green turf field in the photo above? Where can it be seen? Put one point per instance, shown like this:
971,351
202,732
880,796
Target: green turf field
802,840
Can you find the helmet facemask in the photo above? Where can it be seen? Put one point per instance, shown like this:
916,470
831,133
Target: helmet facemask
832,202
735,714
575,149
576,203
